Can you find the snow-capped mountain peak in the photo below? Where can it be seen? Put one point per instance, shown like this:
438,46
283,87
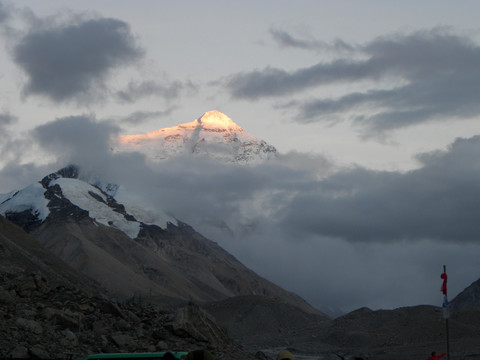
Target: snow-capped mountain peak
63,192
215,120
213,135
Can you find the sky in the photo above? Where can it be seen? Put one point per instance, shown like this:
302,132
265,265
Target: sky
374,107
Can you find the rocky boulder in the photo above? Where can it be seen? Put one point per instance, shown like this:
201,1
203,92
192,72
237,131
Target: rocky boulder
59,322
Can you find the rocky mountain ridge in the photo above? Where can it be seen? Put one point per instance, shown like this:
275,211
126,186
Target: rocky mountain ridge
97,236
50,311
468,298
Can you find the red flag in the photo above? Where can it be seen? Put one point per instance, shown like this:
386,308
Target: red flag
444,284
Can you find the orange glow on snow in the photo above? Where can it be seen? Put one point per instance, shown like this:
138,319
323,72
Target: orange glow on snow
211,120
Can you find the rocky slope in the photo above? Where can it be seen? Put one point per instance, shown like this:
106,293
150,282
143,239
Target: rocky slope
468,298
40,321
50,311
410,332
20,252
259,322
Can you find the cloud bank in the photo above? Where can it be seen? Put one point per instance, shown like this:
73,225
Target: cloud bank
313,229
421,77
436,201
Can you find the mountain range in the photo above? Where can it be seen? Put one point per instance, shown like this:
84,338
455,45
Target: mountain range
129,249
72,231
134,251
50,310
98,236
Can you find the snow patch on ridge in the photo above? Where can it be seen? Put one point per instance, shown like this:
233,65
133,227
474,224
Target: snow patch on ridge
30,198
78,193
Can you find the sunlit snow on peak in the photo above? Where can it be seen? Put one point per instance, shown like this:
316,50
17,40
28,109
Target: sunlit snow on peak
217,120
213,135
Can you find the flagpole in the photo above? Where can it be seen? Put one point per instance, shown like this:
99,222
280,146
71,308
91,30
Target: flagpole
448,340
446,309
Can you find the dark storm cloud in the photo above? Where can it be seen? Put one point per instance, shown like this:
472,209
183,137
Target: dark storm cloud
72,62
138,90
416,78
437,201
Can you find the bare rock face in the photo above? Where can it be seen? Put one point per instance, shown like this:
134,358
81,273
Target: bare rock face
192,321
